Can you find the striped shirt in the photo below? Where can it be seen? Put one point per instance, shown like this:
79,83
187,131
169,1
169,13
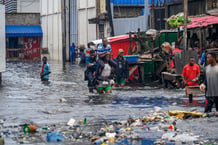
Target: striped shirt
102,50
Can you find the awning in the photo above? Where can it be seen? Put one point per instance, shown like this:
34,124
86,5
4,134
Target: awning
23,31
203,21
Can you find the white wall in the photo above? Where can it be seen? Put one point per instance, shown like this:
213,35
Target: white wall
73,22
2,39
86,31
52,28
28,6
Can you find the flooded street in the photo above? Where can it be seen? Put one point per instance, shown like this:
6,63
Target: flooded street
25,99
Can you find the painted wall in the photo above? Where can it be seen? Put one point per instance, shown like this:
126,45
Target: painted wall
2,39
52,28
22,19
28,6
86,31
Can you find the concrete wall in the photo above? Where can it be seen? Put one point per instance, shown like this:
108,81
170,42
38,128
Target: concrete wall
126,25
22,19
52,28
28,6
2,39
211,4
86,31
194,8
127,12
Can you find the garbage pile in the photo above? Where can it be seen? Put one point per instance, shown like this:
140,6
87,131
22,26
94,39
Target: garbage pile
156,127
177,20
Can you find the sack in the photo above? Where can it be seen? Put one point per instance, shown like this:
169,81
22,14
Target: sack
105,83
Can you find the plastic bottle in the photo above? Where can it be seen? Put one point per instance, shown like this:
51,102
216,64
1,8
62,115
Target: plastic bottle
85,121
45,127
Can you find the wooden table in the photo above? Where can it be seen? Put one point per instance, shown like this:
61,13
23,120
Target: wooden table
140,65
192,90
166,76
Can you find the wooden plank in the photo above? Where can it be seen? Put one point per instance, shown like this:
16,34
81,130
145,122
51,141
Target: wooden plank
132,70
170,77
160,69
193,90
141,66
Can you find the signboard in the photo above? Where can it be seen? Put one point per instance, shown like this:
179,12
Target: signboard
2,39
102,6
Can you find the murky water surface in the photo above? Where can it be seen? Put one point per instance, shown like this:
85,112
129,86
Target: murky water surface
24,98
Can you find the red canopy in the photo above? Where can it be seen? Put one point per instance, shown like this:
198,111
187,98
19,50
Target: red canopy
120,42
203,21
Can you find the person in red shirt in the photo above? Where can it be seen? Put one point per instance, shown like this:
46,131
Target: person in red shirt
177,50
168,49
191,73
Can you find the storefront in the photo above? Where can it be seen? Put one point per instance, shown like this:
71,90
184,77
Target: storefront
23,42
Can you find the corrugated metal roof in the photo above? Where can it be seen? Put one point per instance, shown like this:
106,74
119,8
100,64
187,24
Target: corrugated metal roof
138,2
203,21
128,2
10,6
126,25
22,31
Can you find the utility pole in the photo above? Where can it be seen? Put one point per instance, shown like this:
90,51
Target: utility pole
63,21
152,23
185,24
108,7
146,13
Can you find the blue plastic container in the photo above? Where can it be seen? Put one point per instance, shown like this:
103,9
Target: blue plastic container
132,58
54,137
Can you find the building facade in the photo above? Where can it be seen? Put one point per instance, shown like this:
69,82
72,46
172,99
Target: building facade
28,6
2,39
23,30
52,28
86,11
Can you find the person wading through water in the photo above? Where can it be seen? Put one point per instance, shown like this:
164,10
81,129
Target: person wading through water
122,69
90,71
105,74
45,70
210,85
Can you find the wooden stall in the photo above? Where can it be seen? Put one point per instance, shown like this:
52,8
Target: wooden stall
147,50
